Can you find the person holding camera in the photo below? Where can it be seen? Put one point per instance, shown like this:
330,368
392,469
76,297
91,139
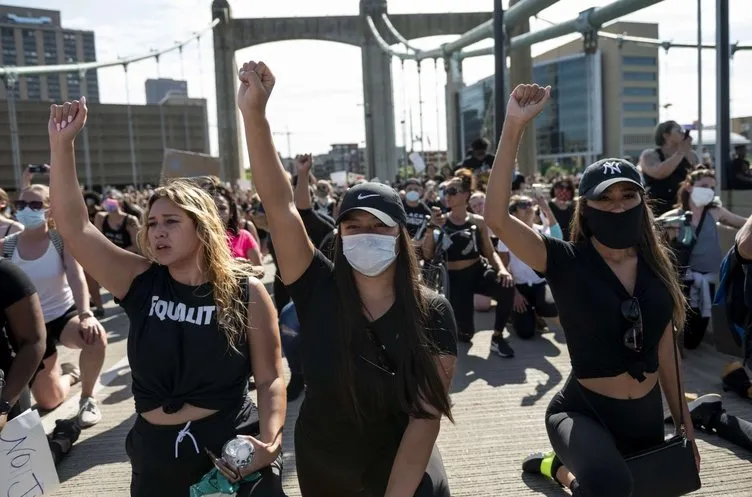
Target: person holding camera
665,167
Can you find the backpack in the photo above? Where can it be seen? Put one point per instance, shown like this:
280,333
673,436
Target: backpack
10,242
731,312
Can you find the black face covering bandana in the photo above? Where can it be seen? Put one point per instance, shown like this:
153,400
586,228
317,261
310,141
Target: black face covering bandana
616,230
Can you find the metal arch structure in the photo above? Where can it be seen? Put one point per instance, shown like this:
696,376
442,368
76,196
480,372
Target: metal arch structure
619,38
234,34
522,10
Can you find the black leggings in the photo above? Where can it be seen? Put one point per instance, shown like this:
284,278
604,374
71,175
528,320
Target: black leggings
480,278
540,302
167,465
594,453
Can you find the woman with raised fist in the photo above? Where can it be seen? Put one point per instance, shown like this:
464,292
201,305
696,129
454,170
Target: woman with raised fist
378,350
201,324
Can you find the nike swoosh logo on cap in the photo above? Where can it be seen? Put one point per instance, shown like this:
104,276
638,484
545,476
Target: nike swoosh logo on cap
361,196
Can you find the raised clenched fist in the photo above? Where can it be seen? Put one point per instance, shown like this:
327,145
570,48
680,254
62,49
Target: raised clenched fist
66,121
256,85
526,102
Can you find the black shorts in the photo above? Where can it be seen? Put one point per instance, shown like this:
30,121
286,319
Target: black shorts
55,329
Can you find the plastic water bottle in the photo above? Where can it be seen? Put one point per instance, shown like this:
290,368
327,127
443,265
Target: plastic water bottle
687,233
238,452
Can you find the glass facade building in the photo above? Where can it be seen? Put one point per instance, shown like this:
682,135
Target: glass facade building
476,104
570,128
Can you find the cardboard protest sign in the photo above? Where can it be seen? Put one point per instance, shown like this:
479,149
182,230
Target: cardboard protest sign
26,465
182,164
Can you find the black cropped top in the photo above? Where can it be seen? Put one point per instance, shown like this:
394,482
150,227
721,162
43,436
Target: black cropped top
589,297
465,240
176,349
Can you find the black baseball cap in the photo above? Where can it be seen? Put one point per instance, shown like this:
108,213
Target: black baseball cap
604,173
380,200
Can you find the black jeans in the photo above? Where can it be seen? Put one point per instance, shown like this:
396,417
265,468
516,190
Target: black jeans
595,453
165,464
540,302
480,278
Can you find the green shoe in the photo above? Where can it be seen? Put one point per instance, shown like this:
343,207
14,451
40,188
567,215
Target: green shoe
540,463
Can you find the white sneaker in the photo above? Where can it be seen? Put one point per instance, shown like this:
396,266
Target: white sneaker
88,412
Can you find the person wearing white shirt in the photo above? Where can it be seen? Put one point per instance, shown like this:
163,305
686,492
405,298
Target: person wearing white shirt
532,295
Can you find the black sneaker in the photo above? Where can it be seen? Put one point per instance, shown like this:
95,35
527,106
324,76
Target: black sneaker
464,337
704,409
500,347
295,387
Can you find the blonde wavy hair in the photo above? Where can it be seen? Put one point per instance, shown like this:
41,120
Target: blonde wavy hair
225,273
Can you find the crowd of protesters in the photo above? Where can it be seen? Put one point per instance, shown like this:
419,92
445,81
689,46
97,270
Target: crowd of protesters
372,350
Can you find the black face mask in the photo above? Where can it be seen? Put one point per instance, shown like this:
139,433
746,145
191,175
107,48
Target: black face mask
616,230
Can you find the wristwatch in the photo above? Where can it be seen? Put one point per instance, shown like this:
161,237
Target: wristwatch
4,407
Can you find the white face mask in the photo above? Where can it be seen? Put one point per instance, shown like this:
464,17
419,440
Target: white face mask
370,254
702,196
412,196
31,218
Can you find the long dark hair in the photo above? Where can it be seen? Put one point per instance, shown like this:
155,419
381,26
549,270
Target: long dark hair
652,248
233,223
415,366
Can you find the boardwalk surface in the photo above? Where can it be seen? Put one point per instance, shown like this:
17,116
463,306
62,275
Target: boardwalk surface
499,408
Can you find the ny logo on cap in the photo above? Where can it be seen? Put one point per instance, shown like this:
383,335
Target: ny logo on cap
612,168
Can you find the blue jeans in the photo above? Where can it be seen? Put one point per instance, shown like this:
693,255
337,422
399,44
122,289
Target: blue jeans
288,330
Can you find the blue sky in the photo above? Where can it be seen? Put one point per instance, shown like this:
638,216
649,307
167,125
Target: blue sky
322,106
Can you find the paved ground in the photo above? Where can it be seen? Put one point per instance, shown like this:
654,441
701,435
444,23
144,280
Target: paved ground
499,408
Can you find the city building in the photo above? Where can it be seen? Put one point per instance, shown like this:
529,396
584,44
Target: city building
603,105
185,128
35,37
157,89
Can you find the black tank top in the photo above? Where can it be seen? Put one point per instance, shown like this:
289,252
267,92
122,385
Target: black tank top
177,352
120,236
465,241
663,191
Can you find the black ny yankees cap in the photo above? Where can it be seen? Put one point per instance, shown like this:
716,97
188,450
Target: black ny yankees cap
604,173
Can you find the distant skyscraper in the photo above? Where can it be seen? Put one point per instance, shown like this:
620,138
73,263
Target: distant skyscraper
157,89
35,37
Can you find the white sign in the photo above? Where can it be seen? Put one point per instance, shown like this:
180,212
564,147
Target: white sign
417,161
26,465
244,185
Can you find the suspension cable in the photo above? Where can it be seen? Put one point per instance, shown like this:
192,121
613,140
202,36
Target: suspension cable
161,107
438,113
134,172
420,105
185,102
404,108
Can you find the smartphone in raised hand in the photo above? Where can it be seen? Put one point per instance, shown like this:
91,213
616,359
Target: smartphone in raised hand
39,169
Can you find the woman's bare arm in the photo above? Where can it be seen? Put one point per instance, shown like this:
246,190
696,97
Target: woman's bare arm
292,246
525,103
85,242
